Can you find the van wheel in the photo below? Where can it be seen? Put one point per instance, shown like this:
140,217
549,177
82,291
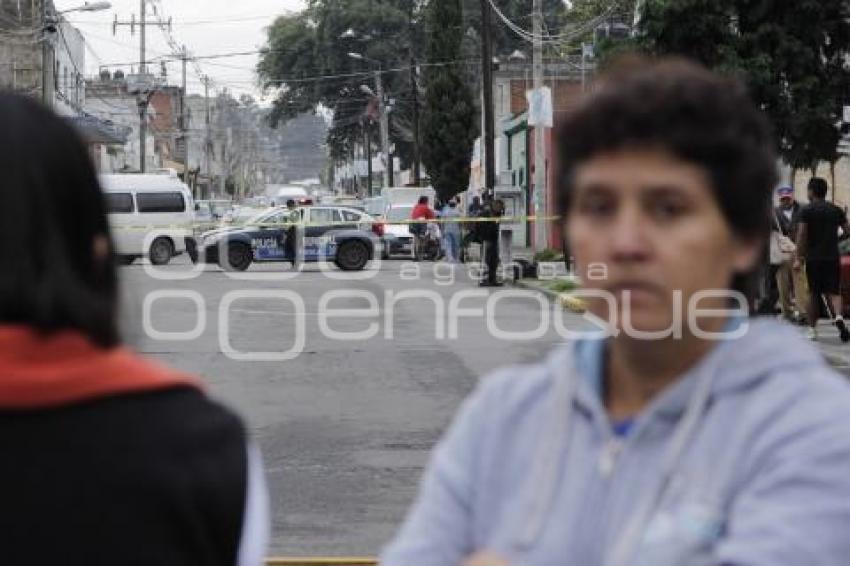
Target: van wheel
352,256
161,252
239,257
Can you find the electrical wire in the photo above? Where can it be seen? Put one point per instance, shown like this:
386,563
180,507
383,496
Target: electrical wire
195,22
578,31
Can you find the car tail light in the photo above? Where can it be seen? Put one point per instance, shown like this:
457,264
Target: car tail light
378,229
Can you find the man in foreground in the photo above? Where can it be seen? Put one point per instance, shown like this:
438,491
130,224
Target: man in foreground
678,433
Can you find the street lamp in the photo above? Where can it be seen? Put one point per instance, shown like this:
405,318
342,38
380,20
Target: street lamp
385,121
89,7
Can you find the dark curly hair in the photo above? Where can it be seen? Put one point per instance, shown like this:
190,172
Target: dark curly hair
696,115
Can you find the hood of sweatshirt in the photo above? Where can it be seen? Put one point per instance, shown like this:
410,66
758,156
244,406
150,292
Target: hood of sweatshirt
40,371
752,351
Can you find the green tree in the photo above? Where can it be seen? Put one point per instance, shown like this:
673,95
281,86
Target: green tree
449,125
791,54
306,63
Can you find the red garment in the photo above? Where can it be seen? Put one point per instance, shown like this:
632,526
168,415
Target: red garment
422,211
64,368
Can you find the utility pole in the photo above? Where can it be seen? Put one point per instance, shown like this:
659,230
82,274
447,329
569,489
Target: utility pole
367,145
417,150
540,236
46,60
385,130
184,126
414,89
145,89
143,101
489,125
207,164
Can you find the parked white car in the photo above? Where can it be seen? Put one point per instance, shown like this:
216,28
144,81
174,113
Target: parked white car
150,215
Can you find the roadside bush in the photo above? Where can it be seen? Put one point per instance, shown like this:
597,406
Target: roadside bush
548,255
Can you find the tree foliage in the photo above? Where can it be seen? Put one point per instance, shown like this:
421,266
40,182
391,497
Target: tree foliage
306,64
449,124
791,54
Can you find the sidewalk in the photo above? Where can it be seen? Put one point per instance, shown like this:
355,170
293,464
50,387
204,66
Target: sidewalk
830,345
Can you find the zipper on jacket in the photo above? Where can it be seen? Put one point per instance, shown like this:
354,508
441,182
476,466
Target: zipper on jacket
610,454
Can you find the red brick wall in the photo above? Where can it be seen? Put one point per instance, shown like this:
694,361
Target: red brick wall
566,95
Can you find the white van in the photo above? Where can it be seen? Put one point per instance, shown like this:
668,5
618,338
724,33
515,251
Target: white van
150,215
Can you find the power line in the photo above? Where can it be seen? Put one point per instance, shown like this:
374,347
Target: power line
194,22
577,31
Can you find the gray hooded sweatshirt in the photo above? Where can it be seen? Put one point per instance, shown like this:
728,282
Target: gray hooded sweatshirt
744,461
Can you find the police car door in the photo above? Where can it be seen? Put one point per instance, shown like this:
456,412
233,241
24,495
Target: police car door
266,240
318,243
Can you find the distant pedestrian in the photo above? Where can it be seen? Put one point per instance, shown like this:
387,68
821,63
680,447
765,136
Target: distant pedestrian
817,246
790,283
108,458
470,230
451,232
489,234
422,211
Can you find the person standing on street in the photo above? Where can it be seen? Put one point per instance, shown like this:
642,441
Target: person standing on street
790,282
470,229
108,458
489,234
422,211
817,247
475,206
451,231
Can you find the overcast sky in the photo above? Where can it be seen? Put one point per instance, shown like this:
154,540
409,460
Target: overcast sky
206,27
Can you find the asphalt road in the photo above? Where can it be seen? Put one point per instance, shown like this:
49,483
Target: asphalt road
345,426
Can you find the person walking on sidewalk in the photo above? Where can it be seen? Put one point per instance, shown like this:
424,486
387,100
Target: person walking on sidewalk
817,246
791,283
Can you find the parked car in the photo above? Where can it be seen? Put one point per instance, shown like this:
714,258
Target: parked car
346,236
210,213
398,241
150,215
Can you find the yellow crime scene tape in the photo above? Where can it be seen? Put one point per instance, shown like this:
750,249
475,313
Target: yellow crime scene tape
343,561
461,220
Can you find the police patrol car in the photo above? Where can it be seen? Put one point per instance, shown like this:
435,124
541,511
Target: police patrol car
345,236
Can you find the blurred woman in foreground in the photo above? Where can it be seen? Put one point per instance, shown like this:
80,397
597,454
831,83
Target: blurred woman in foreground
682,432
107,458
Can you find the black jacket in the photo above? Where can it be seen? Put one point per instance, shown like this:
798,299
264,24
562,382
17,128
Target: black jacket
154,479
111,459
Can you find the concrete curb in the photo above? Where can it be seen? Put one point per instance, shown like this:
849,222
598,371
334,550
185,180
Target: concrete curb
570,303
